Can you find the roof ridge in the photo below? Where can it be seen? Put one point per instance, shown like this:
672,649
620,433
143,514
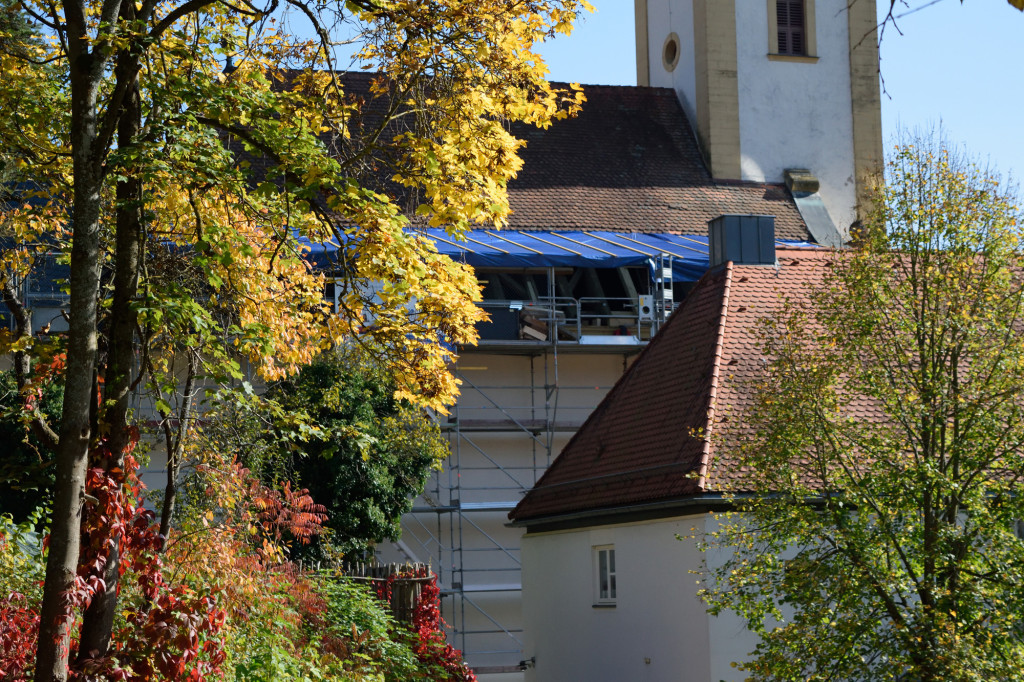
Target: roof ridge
616,86
705,457
733,182
811,249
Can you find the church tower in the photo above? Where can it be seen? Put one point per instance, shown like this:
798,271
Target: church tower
776,90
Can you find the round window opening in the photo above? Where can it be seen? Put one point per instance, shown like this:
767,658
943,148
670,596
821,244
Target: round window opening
670,53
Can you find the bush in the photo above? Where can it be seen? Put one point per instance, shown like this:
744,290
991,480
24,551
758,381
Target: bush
372,453
21,574
26,468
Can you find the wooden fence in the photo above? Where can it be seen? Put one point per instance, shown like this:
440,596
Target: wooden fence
405,581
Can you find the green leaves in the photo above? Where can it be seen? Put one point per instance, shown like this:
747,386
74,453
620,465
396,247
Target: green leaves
372,453
886,458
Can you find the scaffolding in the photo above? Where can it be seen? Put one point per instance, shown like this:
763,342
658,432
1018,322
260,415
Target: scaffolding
527,387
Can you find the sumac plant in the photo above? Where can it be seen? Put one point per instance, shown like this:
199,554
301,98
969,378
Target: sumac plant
441,661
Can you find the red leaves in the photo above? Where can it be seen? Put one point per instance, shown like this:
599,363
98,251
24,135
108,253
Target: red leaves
111,518
45,373
278,514
177,638
290,512
171,633
431,646
19,624
175,633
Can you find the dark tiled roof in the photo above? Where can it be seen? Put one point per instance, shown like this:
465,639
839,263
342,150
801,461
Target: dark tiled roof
629,162
651,440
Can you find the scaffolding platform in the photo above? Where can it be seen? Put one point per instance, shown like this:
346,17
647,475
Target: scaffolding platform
592,345
509,425
468,506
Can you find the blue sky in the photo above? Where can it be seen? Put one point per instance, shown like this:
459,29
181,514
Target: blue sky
961,66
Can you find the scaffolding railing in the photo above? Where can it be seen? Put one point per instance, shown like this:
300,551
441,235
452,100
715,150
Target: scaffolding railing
567,321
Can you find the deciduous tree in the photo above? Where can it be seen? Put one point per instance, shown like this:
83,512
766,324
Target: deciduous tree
886,448
372,453
205,127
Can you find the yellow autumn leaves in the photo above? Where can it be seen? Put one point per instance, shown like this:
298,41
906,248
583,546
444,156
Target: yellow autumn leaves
250,167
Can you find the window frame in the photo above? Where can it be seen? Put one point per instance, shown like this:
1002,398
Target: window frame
810,35
606,571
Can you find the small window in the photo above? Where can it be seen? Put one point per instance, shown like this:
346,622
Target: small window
791,31
791,27
604,575
670,52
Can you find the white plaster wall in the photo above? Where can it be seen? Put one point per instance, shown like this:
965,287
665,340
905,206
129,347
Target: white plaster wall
663,18
500,677
658,615
154,474
491,556
731,641
798,115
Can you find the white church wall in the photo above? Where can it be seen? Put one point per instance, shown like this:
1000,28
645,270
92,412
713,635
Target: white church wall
664,19
795,113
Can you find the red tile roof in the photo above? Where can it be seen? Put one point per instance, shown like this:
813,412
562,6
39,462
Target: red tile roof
650,440
629,162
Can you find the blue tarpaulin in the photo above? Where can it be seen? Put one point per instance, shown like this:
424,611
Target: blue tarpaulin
586,248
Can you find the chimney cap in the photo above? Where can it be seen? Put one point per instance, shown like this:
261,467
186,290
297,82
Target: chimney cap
801,180
742,239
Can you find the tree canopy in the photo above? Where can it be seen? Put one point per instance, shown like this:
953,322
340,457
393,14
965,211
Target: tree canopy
882,538
186,157
336,429
372,454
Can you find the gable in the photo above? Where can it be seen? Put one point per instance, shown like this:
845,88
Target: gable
642,442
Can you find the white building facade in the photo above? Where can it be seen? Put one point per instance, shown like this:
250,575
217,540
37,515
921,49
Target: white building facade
654,629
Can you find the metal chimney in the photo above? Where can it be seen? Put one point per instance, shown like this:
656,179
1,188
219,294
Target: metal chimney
742,239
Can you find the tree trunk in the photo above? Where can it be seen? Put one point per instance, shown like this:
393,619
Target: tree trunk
75,432
88,155
176,444
98,619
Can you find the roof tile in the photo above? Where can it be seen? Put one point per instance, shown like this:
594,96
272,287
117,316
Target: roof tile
629,162
647,441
